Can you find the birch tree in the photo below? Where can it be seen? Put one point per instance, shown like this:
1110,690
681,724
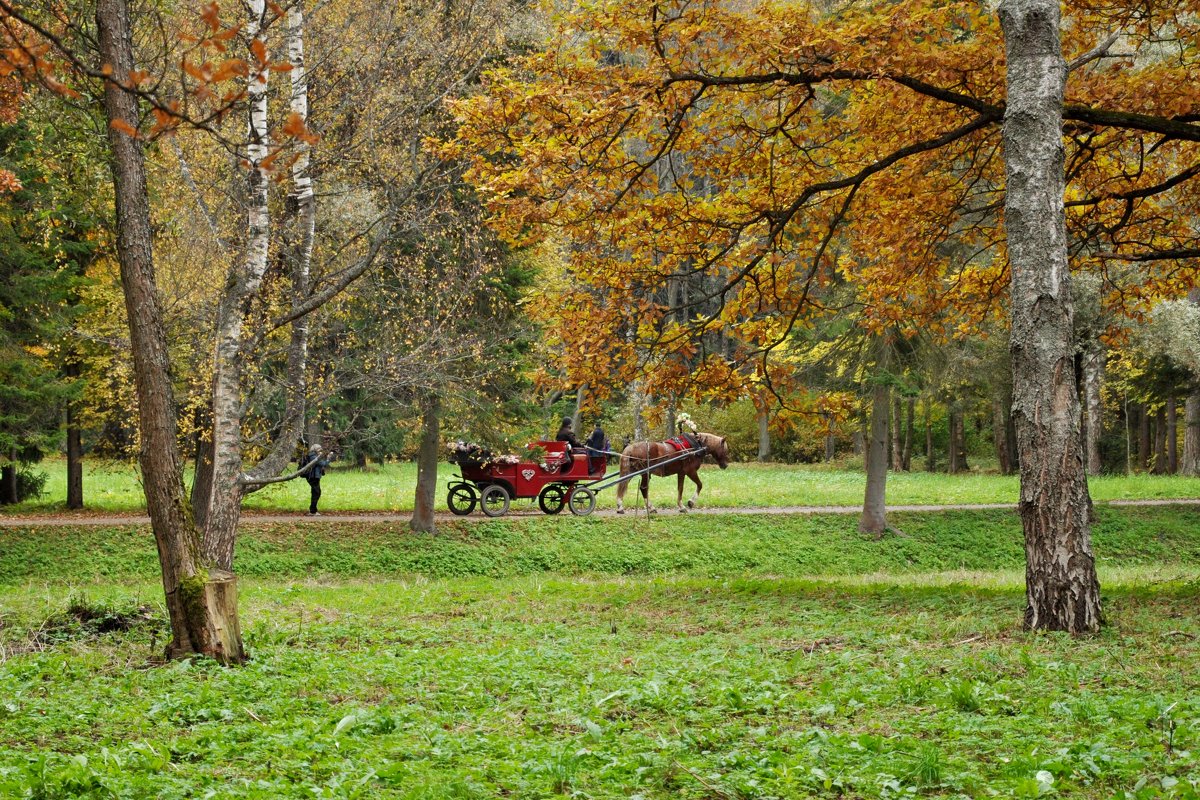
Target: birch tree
1061,588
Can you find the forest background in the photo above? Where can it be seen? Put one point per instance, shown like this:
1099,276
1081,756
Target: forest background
69,387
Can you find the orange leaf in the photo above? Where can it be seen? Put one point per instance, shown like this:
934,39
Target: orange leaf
294,125
195,71
259,49
124,127
229,68
210,14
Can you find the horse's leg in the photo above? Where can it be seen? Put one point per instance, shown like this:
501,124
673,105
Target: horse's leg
646,493
695,476
623,485
679,495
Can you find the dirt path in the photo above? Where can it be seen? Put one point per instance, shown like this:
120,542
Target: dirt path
257,518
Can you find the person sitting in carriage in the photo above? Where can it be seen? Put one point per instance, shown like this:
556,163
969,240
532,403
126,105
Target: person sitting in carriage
566,433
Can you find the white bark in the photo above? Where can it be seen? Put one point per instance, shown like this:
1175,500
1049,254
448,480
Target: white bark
1062,592
242,283
298,251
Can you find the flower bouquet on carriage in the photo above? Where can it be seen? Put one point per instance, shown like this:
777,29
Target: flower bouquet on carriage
472,455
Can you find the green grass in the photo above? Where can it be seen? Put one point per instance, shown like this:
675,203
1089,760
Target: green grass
702,657
655,688
389,487
703,545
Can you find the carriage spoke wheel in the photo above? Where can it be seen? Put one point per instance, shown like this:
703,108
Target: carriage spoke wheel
494,501
582,501
461,499
552,499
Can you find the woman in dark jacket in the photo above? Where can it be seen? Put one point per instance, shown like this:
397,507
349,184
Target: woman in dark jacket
566,433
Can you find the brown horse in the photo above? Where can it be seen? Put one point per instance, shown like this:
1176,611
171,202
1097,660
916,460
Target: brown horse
640,455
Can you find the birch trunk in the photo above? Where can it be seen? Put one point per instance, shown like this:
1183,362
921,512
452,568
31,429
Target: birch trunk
243,282
1062,591
1093,379
202,621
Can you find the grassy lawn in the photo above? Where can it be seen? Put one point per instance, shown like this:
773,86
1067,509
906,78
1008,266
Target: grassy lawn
702,657
389,487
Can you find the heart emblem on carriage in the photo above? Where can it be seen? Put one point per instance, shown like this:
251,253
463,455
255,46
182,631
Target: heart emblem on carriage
528,474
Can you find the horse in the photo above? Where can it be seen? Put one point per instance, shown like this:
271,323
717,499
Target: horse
640,455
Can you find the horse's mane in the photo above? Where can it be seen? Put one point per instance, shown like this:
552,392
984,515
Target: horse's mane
709,440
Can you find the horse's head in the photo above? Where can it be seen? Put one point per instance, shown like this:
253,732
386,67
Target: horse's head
716,448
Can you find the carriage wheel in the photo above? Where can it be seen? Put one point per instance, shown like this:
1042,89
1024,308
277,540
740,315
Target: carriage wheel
582,501
494,501
461,499
552,499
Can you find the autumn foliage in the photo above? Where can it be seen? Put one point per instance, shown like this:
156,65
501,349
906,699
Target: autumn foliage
790,163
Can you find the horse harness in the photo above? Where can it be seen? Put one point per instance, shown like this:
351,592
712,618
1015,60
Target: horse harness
687,442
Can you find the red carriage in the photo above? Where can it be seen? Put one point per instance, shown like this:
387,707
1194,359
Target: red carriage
551,472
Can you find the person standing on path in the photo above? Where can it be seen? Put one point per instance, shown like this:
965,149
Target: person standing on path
314,467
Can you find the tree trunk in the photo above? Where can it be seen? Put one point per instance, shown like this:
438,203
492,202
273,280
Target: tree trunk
427,464
957,445
241,285
909,409
930,456
1062,591
895,426
638,401
1191,435
1000,435
831,440
874,515
201,603
74,447
8,482
1093,379
1143,451
580,394
1160,441
1172,436
202,464
764,436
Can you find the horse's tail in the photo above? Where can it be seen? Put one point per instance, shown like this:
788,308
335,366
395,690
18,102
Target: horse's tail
630,462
